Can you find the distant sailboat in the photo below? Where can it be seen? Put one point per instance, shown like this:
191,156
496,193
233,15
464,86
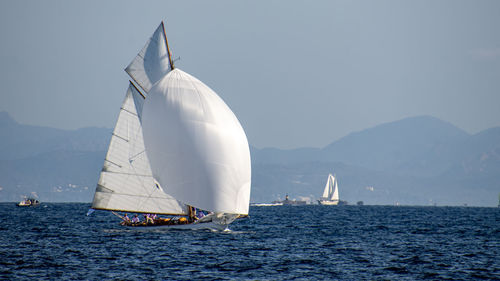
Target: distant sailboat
176,147
331,192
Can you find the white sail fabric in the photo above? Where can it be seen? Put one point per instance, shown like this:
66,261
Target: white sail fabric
152,62
126,182
335,193
328,186
197,148
331,191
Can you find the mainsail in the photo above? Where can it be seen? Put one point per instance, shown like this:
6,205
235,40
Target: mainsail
196,146
126,182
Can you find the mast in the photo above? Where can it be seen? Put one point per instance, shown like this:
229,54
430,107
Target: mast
168,49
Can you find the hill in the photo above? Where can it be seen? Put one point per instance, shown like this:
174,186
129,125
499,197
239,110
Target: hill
56,165
420,160
417,161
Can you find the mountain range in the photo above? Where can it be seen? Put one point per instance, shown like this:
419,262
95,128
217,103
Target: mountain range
415,161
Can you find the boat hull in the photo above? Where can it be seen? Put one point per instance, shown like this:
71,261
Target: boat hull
191,226
328,202
28,203
215,222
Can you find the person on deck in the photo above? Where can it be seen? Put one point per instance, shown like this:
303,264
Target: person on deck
126,219
149,219
135,219
200,214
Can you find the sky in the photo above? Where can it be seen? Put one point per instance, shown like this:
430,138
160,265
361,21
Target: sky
295,73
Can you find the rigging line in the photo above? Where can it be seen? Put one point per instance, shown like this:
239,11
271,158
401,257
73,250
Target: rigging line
132,165
148,190
149,195
137,154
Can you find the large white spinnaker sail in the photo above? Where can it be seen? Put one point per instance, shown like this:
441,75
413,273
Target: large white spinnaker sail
152,62
126,182
196,146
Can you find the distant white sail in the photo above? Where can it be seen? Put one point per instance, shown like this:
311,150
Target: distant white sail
126,182
196,146
152,62
335,194
330,192
328,187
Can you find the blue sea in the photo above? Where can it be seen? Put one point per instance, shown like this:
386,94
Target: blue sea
58,242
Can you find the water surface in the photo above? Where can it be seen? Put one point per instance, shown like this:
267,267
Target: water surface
57,241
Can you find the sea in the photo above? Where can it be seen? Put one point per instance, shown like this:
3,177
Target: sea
57,241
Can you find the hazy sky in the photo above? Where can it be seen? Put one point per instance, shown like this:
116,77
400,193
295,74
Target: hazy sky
296,73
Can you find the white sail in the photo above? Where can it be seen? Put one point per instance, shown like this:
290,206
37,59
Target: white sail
126,182
335,192
152,62
197,148
328,187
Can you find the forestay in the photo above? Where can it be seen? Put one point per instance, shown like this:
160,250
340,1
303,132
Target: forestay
126,182
152,62
197,148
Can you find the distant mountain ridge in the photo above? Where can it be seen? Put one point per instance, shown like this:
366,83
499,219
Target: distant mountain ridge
55,164
21,141
418,160
436,162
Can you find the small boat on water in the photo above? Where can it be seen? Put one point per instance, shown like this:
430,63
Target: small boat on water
176,148
331,192
266,204
288,202
28,202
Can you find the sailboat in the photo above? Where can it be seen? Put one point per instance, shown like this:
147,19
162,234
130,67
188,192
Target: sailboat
176,148
331,192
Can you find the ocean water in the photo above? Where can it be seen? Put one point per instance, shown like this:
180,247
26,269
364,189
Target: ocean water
58,242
